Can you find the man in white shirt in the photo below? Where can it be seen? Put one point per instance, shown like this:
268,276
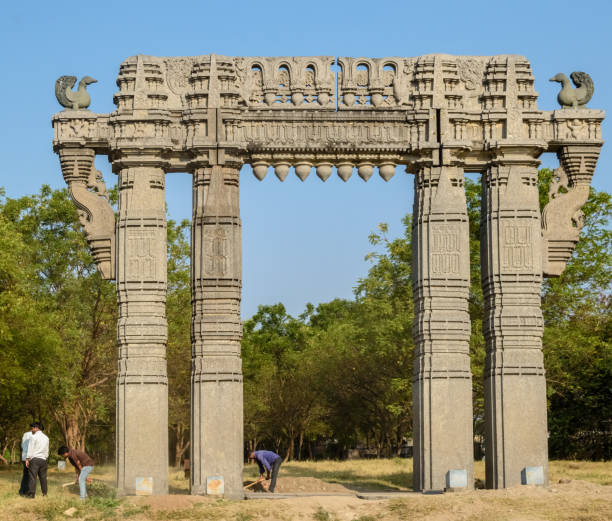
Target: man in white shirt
25,478
36,459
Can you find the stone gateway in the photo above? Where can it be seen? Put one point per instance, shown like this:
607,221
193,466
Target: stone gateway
438,115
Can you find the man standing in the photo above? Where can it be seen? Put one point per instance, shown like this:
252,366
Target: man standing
36,459
270,461
82,463
25,477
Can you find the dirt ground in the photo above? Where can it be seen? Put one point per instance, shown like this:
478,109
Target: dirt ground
575,500
579,491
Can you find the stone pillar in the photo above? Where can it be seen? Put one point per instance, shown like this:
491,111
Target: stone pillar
142,384
442,381
216,370
515,387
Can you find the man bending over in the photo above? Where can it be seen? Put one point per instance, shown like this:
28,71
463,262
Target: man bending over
82,463
271,462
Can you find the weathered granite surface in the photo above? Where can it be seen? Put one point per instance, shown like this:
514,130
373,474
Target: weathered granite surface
440,116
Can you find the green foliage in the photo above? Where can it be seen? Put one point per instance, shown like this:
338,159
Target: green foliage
337,376
577,341
178,311
357,354
322,515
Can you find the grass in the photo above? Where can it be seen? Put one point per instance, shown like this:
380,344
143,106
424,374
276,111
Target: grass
359,475
579,491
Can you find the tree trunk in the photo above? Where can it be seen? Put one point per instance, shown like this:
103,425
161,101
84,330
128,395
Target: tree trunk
300,443
74,440
289,450
5,444
182,444
13,445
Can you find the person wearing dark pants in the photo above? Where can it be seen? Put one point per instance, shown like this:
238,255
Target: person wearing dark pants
25,477
36,459
38,467
268,461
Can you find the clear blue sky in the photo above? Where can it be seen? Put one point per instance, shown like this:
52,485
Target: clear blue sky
303,242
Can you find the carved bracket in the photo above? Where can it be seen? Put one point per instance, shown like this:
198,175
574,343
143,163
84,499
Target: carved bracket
88,192
562,217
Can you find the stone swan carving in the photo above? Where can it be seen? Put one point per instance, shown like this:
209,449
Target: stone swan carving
70,99
570,97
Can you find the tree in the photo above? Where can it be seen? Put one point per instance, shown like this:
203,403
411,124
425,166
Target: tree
27,340
81,312
178,310
577,345
280,396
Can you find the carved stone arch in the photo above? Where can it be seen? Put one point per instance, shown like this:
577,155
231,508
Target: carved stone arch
389,65
269,74
284,66
345,74
363,73
256,65
316,74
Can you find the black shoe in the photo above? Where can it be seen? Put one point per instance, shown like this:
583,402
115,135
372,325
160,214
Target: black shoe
30,496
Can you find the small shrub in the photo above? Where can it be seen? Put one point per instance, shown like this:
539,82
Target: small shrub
322,515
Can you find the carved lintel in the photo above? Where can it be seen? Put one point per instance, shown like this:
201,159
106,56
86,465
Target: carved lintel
88,192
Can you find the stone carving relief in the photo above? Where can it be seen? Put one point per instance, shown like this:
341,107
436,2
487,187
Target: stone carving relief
562,220
486,98
371,83
178,71
141,262
88,192
286,83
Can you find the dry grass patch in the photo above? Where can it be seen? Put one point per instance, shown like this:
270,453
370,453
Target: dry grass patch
584,495
356,475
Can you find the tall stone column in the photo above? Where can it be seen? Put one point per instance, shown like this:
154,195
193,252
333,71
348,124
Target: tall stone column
216,371
515,386
442,382
142,384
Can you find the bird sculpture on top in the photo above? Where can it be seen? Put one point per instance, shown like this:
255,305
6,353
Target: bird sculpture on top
570,97
69,98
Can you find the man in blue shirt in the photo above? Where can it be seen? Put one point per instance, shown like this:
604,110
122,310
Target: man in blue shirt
271,462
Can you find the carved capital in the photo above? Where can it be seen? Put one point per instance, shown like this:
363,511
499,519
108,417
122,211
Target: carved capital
88,192
579,162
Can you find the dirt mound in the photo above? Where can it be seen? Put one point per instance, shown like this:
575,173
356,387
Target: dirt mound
286,485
